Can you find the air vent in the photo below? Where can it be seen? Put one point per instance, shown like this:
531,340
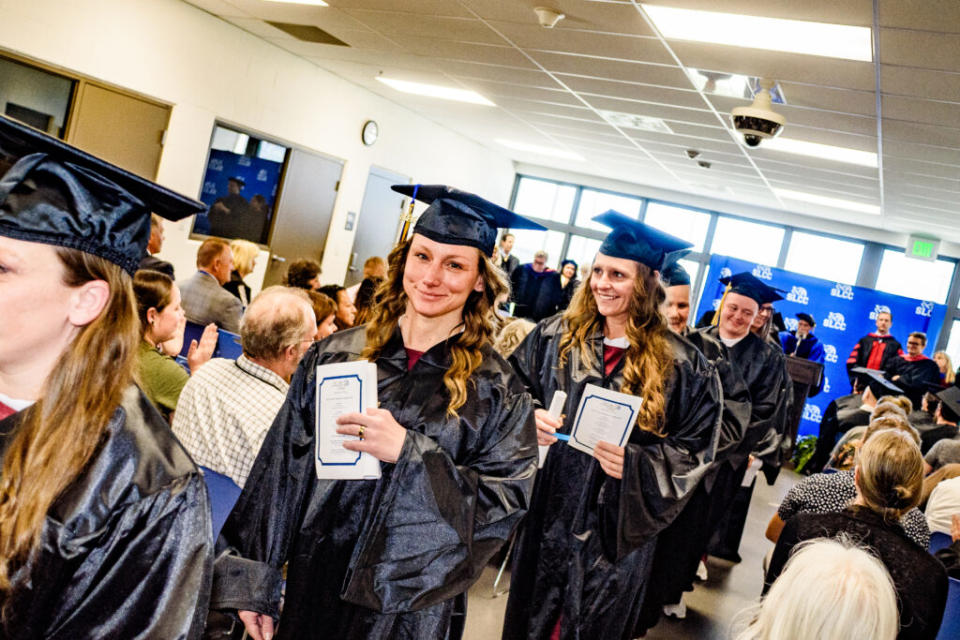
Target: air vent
308,33
633,121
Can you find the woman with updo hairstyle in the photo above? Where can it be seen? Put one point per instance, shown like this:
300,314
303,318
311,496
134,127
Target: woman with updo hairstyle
889,482
162,321
454,432
244,260
584,552
104,519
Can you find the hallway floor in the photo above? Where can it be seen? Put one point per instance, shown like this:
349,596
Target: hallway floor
711,608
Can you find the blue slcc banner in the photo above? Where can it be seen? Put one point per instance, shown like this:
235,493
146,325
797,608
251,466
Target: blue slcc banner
844,313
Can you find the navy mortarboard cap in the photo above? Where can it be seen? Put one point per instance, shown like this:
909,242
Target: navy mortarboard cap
747,284
56,194
879,385
238,180
633,240
461,218
806,317
674,276
950,397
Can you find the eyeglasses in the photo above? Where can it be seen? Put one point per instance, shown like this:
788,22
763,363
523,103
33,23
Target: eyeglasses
914,343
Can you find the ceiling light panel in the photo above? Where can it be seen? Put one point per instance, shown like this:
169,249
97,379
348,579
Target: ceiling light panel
314,3
822,151
634,121
837,203
436,91
757,32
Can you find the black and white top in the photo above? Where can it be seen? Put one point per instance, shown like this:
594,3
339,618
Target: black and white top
833,492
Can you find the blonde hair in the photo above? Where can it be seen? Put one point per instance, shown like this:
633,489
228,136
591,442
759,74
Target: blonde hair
829,590
244,254
511,334
891,421
479,321
648,362
61,431
949,376
887,408
890,473
902,401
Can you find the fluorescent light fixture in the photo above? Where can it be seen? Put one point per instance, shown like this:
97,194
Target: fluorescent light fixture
824,151
813,198
315,3
543,151
756,32
633,121
436,91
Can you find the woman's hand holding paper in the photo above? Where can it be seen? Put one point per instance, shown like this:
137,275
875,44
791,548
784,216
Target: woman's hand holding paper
546,427
610,457
380,435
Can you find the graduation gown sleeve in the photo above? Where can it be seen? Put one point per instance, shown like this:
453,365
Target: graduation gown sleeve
126,549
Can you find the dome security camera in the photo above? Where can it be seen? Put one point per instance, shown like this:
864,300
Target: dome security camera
758,121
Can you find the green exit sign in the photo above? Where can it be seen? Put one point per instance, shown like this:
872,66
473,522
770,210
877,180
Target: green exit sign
923,248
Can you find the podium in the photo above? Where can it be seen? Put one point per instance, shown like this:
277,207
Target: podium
806,376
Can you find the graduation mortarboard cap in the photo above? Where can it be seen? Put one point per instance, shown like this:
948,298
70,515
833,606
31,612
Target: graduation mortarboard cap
461,218
238,180
747,284
674,276
950,397
879,385
53,193
806,317
633,240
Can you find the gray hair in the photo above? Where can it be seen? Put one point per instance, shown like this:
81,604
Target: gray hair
276,319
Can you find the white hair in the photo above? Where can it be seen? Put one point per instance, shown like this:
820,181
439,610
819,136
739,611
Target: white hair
829,590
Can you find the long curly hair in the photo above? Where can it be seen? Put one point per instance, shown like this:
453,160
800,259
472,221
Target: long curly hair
60,433
648,361
480,321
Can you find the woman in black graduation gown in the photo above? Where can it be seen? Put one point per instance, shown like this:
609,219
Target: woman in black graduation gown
584,551
394,557
104,520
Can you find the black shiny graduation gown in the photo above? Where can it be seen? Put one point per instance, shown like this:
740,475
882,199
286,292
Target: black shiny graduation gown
387,558
680,545
126,550
585,549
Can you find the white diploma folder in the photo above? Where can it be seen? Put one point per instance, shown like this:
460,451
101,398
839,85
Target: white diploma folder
342,388
603,415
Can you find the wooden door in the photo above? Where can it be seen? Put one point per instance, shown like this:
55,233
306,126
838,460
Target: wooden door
378,223
302,218
120,128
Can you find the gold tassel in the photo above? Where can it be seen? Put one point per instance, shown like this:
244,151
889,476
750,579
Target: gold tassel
716,316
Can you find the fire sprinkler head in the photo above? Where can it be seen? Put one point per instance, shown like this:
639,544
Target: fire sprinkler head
548,17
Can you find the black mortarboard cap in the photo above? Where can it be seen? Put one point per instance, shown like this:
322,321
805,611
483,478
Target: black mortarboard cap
633,240
238,180
674,276
461,218
950,397
806,317
54,193
747,284
879,386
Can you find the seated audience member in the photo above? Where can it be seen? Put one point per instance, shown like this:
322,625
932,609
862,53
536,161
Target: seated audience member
888,480
946,472
303,274
568,283
833,492
912,371
802,343
346,311
226,408
947,375
828,590
943,504
843,456
942,453
945,418
244,260
950,556
204,298
326,311
162,320
150,261
511,334
922,418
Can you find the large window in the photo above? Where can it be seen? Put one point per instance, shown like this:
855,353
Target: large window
544,199
678,221
528,241
953,346
921,279
747,241
824,257
582,250
596,202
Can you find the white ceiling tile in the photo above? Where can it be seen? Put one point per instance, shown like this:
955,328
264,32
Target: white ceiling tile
606,45
921,49
323,17
926,15
468,51
613,69
422,25
924,111
429,7
920,83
